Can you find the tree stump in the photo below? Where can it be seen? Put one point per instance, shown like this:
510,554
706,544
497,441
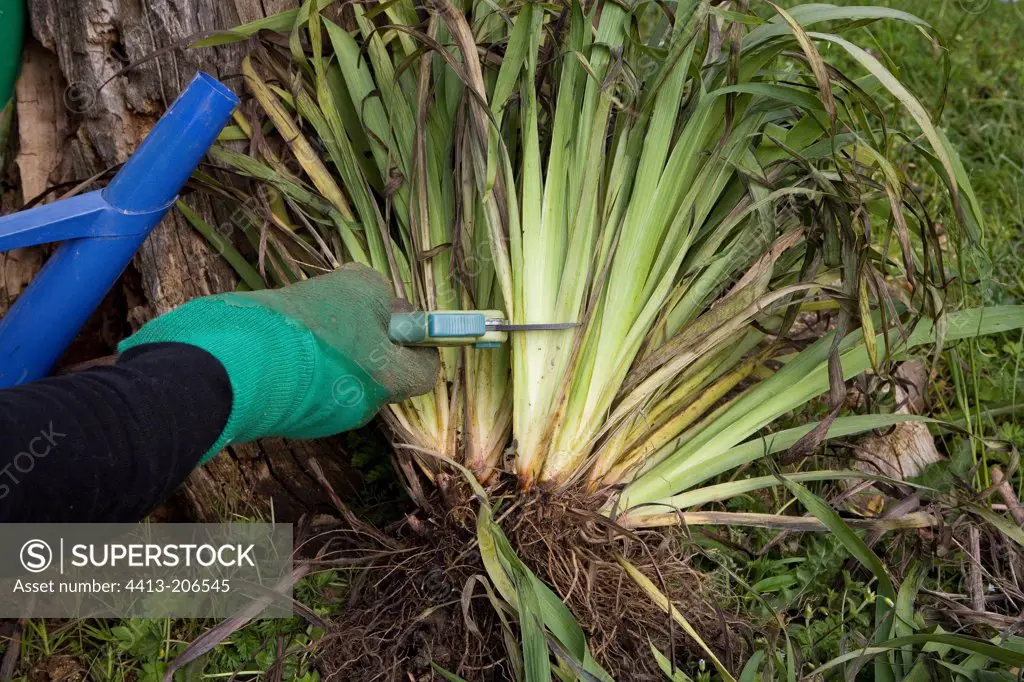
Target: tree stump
117,65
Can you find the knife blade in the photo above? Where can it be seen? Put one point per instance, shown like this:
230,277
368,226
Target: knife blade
477,328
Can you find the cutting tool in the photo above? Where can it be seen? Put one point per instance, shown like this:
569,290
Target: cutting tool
477,328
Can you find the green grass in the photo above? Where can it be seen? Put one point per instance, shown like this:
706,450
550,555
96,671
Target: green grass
983,115
140,649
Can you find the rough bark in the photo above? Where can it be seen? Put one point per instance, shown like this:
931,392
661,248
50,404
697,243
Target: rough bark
94,40
111,99
40,133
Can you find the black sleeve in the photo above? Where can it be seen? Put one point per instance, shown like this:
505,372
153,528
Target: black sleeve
109,444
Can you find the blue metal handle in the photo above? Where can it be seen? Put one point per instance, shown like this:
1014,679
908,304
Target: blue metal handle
102,230
456,324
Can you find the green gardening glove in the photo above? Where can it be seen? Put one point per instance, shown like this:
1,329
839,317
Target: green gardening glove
306,361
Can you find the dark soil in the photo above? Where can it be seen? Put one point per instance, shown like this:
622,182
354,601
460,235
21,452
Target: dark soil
424,601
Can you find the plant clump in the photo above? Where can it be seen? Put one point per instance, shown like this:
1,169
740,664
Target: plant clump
687,182
682,182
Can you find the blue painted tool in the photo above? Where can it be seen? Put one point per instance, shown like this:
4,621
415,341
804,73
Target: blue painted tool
101,232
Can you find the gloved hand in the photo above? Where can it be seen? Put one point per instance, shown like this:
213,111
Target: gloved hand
306,361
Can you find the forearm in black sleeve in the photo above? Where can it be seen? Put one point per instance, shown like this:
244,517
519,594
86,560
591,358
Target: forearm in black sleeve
109,444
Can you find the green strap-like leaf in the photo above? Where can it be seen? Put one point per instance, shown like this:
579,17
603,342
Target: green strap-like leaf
994,652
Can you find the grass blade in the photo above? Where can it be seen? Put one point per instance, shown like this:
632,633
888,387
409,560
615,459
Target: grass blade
972,646
886,598
224,247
